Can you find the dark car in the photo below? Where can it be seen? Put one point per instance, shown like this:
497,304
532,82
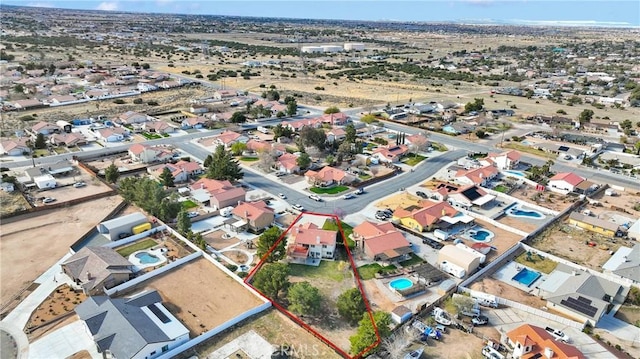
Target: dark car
421,194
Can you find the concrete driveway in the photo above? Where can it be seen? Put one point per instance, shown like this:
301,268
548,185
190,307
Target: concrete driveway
64,342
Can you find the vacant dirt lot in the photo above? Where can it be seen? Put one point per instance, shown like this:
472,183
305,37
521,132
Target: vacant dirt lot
553,201
210,295
30,244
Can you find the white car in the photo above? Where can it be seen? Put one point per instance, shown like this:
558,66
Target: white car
281,195
298,207
192,214
48,200
79,184
315,197
348,196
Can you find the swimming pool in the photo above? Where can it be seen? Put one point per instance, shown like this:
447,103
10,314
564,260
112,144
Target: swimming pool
400,284
519,212
147,258
515,173
481,235
526,277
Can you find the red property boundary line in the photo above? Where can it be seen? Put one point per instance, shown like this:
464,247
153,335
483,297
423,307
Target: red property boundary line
294,317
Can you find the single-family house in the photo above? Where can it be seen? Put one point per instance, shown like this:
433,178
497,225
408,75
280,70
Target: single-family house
58,169
219,194
24,104
477,176
328,176
68,139
382,242
257,146
594,224
44,128
503,161
580,295
224,94
417,140
390,154
112,134
625,263
299,124
339,118
158,127
194,122
222,116
288,163
228,138
469,196
336,134
428,215
15,146
457,257
97,268
529,341
255,215
131,117
564,182
308,244
149,154
136,327
61,99
181,170
634,230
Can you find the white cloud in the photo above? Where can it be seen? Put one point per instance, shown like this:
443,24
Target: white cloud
107,6
40,4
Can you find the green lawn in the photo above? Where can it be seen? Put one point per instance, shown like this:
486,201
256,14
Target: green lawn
330,225
413,159
364,176
248,159
413,260
333,270
439,147
151,136
501,188
368,271
329,190
188,204
126,251
40,153
544,265
60,150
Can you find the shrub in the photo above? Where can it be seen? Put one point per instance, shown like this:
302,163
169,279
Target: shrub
231,267
119,101
152,103
137,101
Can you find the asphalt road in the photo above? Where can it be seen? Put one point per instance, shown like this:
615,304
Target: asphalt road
426,169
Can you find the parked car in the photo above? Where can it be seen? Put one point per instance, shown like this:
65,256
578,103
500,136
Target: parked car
381,216
558,334
348,196
280,174
422,194
192,214
480,320
48,200
79,184
360,191
315,197
281,195
298,207
388,212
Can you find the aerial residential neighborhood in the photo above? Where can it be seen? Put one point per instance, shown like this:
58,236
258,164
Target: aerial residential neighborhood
182,182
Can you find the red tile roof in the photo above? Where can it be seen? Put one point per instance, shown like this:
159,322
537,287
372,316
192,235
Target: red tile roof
430,213
478,175
310,234
540,339
569,177
251,210
386,242
327,174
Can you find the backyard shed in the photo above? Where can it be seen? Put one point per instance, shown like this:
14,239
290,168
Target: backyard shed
116,227
401,314
45,181
460,257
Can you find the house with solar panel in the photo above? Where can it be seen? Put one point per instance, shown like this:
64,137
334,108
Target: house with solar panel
580,295
135,327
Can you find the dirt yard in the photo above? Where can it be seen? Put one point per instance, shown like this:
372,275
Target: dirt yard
403,200
11,202
451,346
501,289
30,244
568,242
215,240
503,240
62,301
211,296
623,205
550,200
275,328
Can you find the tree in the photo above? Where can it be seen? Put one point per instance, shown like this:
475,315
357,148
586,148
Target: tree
561,112
238,117
330,159
18,88
166,177
41,141
626,124
304,299
184,223
350,133
146,194
481,134
303,160
271,95
351,305
281,131
292,108
419,144
207,161
476,105
369,118
585,116
366,334
267,239
266,160
223,166
313,137
111,173
271,279
332,109
238,147
345,149
462,303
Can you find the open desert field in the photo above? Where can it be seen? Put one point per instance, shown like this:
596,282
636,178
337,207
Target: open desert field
211,295
30,244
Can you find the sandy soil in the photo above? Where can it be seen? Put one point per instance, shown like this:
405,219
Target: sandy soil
210,295
215,240
277,329
553,201
496,287
503,240
30,244
62,301
622,205
455,344
403,199
11,202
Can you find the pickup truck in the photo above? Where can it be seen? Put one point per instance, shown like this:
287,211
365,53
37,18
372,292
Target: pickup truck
559,335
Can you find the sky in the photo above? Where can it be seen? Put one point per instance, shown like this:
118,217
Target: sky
534,12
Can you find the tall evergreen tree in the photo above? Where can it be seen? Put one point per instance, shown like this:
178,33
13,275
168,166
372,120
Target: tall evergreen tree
166,177
223,166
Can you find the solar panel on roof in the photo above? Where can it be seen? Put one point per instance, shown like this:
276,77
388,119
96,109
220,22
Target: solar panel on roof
472,194
155,310
563,148
580,306
584,300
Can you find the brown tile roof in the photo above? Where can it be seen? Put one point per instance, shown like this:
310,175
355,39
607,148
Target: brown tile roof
540,339
428,213
311,234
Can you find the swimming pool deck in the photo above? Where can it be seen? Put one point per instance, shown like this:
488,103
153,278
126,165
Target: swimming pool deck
508,271
138,266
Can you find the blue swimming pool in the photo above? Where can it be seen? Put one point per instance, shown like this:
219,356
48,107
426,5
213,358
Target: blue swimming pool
401,284
526,277
481,235
516,212
515,173
147,258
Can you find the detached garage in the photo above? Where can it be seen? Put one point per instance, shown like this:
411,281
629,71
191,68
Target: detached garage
45,181
401,314
459,257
